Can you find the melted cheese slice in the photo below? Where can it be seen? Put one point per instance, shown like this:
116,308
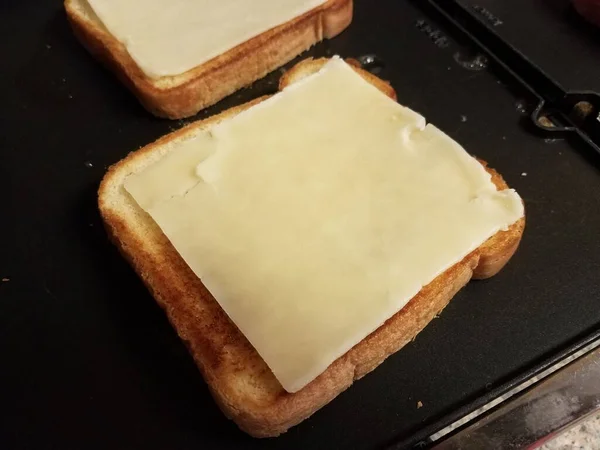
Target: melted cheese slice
170,37
316,215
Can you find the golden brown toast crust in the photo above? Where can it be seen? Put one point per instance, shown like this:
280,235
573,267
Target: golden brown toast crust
186,94
238,378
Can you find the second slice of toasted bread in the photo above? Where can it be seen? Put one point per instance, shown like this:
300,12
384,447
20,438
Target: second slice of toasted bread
238,378
184,95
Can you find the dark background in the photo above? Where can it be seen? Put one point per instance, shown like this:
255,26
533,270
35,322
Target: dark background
87,360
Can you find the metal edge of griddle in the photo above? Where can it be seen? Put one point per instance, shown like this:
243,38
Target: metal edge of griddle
538,411
488,402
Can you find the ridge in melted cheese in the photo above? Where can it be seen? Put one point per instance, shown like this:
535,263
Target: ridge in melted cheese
316,215
170,37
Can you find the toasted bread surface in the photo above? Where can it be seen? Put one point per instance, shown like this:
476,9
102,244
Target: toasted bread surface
239,380
184,95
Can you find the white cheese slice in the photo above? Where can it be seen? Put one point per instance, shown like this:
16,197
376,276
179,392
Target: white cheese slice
170,37
316,215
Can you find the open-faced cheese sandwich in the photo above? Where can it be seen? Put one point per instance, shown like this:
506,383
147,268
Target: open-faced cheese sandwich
298,240
180,56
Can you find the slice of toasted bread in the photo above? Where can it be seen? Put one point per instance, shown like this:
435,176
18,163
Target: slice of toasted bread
240,381
184,95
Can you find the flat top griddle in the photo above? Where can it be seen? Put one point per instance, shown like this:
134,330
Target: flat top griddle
89,360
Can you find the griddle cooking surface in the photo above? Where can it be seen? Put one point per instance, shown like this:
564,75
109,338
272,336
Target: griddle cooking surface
552,34
89,360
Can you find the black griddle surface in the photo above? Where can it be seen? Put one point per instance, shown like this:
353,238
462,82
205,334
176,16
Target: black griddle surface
89,360
552,34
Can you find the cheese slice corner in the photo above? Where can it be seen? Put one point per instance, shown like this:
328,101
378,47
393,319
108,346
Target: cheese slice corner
316,215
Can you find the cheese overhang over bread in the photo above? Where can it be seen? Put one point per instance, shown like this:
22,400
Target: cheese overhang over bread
170,37
314,216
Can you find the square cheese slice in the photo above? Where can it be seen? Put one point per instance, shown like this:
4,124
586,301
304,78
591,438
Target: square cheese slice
316,215
170,37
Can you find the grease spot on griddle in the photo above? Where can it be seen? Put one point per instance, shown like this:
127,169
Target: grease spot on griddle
521,106
371,62
551,140
471,62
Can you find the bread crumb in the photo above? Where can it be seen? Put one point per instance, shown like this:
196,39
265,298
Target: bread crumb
419,404
5,280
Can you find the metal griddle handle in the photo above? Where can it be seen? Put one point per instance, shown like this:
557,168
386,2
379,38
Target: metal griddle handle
574,112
